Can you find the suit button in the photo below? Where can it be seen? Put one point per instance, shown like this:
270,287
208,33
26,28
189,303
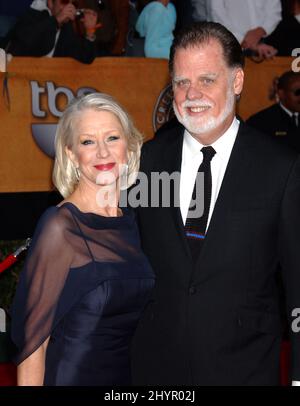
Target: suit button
192,290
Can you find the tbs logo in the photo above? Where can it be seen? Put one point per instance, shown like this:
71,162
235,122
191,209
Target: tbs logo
44,133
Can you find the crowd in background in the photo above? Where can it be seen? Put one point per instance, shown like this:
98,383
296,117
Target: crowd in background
86,29
146,28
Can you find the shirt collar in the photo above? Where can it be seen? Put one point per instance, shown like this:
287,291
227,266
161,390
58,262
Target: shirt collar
40,5
289,112
223,146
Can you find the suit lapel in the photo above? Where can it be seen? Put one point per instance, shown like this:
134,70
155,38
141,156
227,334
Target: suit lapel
237,171
172,163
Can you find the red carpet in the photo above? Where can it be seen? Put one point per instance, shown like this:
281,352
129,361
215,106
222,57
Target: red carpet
7,375
285,363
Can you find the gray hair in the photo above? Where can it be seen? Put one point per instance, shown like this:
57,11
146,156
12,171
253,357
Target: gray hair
64,175
200,33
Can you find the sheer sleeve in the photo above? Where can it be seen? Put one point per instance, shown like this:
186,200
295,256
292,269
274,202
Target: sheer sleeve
41,283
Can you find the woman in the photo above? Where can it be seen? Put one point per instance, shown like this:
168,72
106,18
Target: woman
85,280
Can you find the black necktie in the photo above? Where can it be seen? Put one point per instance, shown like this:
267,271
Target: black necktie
195,227
295,119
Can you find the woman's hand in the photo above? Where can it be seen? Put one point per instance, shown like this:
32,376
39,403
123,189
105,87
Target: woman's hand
32,370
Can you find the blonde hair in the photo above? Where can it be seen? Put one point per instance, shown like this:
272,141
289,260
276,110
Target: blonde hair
65,176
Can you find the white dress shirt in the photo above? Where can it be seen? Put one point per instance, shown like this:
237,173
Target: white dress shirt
240,16
290,113
191,160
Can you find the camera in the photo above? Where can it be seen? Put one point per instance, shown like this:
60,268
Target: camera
79,12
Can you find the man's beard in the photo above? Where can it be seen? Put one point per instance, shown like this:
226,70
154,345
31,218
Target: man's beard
201,125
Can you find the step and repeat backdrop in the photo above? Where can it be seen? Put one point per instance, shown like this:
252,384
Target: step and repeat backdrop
35,91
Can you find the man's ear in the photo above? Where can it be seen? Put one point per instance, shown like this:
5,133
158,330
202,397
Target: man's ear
238,81
281,93
70,154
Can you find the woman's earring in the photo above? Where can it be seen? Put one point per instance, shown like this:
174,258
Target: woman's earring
77,173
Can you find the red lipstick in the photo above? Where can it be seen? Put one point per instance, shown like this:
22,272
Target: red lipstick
105,167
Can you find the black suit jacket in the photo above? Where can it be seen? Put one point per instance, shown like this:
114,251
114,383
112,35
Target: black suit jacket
219,322
35,33
285,38
275,122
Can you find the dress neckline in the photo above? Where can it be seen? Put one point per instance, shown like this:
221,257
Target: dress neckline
94,220
90,213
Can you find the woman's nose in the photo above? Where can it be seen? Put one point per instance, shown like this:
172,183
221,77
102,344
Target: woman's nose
102,151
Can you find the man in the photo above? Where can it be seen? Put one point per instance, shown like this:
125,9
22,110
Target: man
47,30
214,318
282,119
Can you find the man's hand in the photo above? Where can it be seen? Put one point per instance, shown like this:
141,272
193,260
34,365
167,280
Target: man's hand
266,51
68,13
253,37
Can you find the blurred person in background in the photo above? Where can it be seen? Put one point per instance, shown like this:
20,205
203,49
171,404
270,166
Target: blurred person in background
281,120
106,28
47,29
286,36
250,21
156,23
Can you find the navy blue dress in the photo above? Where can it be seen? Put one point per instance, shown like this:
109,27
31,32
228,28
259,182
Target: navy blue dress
84,285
